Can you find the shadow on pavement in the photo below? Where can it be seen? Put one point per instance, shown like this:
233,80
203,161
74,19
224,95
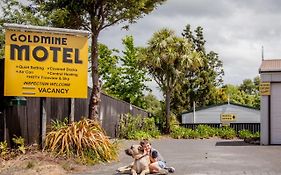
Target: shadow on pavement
233,143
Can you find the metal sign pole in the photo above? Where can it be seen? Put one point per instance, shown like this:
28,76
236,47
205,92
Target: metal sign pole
72,109
43,119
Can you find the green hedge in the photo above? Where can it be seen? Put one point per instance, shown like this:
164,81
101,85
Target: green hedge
204,131
137,127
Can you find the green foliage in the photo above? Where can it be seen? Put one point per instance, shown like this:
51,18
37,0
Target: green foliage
152,104
14,11
76,14
138,135
19,141
177,132
193,134
57,124
202,131
3,149
206,131
226,133
167,57
121,75
246,94
199,84
246,134
84,139
108,64
256,134
243,134
136,127
7,153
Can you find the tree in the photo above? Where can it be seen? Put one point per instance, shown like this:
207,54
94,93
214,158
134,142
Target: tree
251,90
126,81
15,12
94,16
246,93
108,69
167,57
247,86
209,75
152,105
200,84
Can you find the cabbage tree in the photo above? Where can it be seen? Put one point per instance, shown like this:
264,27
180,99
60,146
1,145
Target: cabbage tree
167,57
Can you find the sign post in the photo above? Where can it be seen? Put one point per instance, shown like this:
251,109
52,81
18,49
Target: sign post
45,62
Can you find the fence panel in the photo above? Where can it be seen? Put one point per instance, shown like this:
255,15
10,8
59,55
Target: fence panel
33,120
253,127
16,123
111,110
195,125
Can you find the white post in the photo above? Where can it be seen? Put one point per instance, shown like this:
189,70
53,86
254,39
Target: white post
72,110
193,111
44,119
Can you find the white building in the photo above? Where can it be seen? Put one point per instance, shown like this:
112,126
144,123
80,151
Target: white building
212,114
270,72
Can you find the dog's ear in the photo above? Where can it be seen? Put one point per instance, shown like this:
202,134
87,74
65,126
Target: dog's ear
140,148
129,152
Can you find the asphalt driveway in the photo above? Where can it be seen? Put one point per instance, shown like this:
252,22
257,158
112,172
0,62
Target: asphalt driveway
208,156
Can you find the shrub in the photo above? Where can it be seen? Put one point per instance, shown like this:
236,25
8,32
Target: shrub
136,127
249,137
245,134
8,153
58,124
3,148
184,133
19,141
178,133
193,134
257,134
189,133
206,131
84,139
138,135
227,133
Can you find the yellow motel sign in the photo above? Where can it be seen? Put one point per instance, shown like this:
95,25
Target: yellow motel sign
227,118
265,88
43,62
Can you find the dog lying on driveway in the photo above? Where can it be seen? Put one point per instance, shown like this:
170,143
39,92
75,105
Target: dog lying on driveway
141,161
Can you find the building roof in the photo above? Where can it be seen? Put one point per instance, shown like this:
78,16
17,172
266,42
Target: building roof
273,65
215,105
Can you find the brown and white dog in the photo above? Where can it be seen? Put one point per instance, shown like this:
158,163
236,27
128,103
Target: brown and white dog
141,161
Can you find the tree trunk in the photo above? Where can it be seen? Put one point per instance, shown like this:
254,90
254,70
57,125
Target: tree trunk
168,101
95,95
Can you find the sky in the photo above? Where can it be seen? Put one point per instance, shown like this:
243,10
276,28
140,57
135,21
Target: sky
235,29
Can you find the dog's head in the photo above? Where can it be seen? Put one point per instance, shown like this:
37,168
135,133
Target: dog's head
134,150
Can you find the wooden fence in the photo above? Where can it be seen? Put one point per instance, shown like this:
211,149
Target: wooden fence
26,121
253,127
